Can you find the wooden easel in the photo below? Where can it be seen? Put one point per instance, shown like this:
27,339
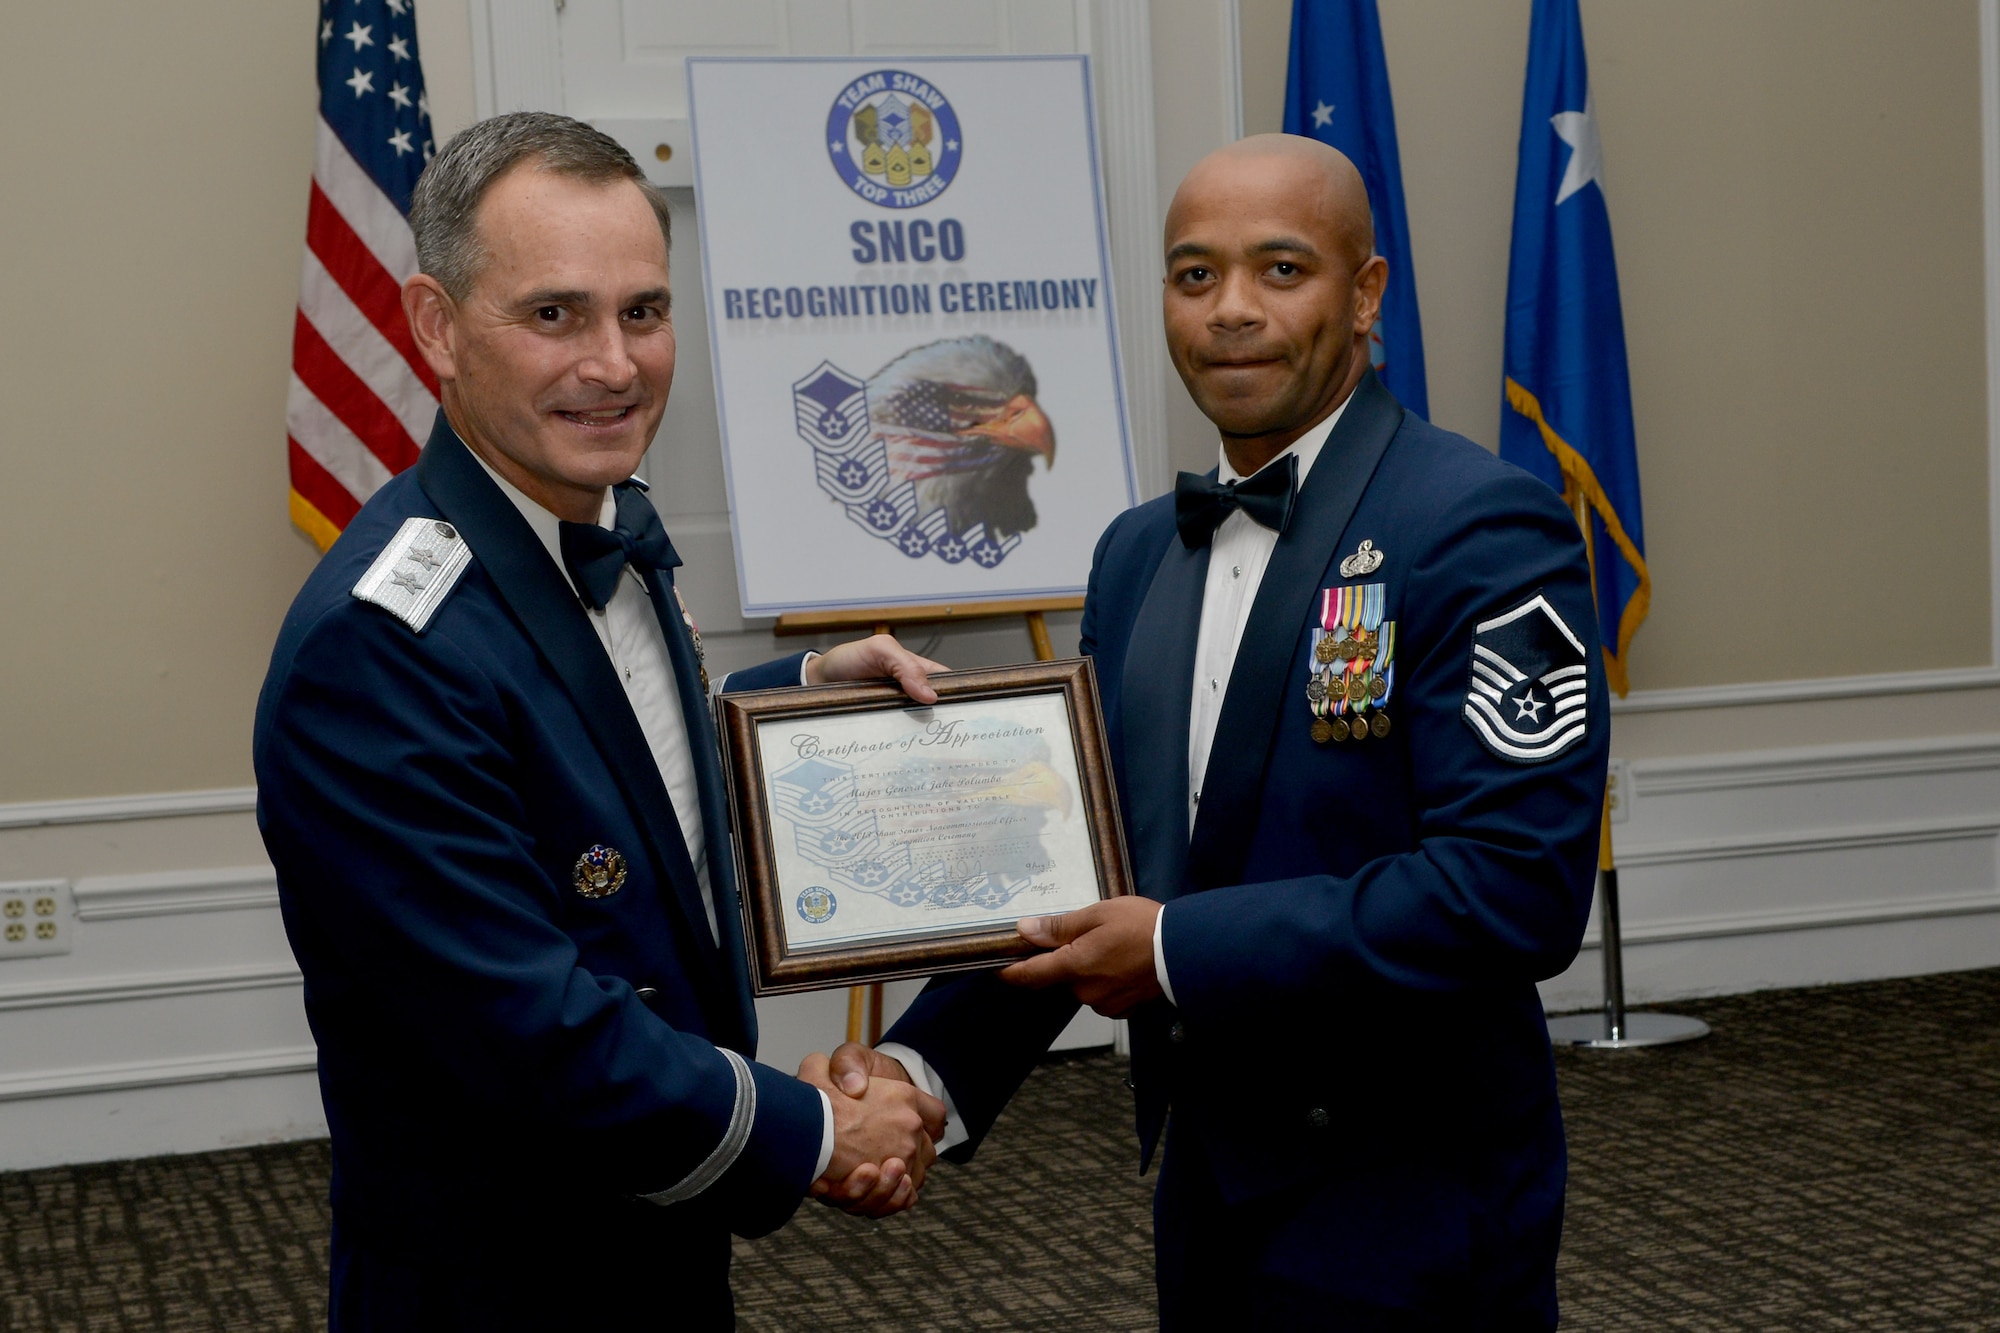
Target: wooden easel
864,1003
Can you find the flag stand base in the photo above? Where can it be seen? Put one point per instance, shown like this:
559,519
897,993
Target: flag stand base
1611,1028
1594,1030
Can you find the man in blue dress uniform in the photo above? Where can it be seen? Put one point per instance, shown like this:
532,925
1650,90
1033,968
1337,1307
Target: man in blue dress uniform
1358,723
489,782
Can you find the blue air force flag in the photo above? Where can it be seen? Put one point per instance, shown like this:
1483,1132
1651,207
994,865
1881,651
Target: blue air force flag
1568,414
1527,696
1337,91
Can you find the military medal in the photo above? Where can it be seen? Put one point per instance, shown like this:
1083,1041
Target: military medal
1353,665
694,632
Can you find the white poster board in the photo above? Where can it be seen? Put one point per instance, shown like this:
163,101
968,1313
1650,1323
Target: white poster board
909,296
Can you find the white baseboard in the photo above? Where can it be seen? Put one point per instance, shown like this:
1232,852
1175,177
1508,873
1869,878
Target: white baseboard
1800,867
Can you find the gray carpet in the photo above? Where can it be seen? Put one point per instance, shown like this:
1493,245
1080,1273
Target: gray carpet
1828,1160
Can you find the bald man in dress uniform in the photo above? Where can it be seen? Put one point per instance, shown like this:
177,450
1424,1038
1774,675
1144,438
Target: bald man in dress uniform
1358,721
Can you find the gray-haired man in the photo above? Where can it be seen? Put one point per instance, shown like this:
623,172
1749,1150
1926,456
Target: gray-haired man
490,787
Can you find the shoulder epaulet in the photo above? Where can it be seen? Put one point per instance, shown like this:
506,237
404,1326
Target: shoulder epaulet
416,571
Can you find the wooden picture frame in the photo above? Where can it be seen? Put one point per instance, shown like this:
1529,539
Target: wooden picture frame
934,828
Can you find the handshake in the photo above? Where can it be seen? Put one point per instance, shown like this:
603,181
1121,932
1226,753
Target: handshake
885,1131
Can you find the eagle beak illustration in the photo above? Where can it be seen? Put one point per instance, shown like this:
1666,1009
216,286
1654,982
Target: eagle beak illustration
1021,424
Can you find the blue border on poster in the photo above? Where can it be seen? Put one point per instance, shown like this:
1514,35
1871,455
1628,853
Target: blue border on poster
1082,62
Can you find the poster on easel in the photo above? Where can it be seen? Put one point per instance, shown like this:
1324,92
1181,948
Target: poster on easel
909,295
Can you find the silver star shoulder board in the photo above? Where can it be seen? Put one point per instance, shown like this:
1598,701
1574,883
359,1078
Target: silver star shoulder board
1528,688
416,571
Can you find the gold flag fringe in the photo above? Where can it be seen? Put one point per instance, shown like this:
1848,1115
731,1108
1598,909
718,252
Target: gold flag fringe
1580,480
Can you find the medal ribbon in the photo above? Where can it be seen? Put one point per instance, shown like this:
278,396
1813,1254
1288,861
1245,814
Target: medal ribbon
1346,614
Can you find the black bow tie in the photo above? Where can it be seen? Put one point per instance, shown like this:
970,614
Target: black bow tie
595,556
1201,503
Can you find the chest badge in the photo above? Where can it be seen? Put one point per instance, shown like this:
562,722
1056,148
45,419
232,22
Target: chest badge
1364,561
1353,661
599,872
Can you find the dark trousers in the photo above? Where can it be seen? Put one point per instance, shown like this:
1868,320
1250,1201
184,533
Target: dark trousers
618,1268
1389,1245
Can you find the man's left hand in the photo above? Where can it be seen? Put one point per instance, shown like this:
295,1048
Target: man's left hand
873,658
1104,952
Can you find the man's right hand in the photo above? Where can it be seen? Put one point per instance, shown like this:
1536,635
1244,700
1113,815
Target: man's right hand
884,1137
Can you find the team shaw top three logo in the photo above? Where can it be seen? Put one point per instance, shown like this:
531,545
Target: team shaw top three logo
893,138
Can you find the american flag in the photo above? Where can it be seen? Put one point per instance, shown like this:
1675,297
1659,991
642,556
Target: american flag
362,398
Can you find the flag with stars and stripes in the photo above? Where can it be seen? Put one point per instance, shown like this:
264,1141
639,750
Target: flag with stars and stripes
361,399
1337,91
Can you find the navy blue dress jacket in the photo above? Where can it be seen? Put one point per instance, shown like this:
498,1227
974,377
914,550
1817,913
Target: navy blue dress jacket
506,1063
1353,931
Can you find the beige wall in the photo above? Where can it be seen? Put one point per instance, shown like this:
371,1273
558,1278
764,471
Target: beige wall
1806,351
154,212
1795,195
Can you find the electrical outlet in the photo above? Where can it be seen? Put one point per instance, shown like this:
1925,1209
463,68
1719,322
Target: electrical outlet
1618,791
37,917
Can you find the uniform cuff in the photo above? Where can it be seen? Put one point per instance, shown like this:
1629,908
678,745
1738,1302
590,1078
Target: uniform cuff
927,1080
741,1118
825,1134
1160,954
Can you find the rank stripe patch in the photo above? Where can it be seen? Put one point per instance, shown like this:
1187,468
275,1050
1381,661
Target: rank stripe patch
1547,749
1527,684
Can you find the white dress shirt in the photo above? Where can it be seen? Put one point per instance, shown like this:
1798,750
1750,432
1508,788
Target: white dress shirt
630,631
1238,555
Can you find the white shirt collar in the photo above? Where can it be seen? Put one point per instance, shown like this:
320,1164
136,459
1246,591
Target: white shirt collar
1307,447
546,525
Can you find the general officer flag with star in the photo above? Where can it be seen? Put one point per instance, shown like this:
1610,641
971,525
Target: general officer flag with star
1337,91
1568,413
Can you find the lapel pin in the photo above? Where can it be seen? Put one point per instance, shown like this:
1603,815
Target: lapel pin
599,872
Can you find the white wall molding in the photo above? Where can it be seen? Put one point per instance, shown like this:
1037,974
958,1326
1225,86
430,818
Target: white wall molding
1121,57
146,986
1804,866
1847,837
1831,763
133,1075
1802,691
516,56
175,892
1232,70
112,809
1989,124
1732,925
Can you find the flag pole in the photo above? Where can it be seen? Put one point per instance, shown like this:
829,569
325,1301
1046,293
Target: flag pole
1612,1028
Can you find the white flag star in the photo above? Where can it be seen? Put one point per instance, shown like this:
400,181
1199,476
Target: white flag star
1322,115
399,7
399,95
1578,129
359,36
361,83
399,47
326,32
400,141
423,106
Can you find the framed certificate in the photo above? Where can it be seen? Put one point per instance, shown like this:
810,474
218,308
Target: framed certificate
882,839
